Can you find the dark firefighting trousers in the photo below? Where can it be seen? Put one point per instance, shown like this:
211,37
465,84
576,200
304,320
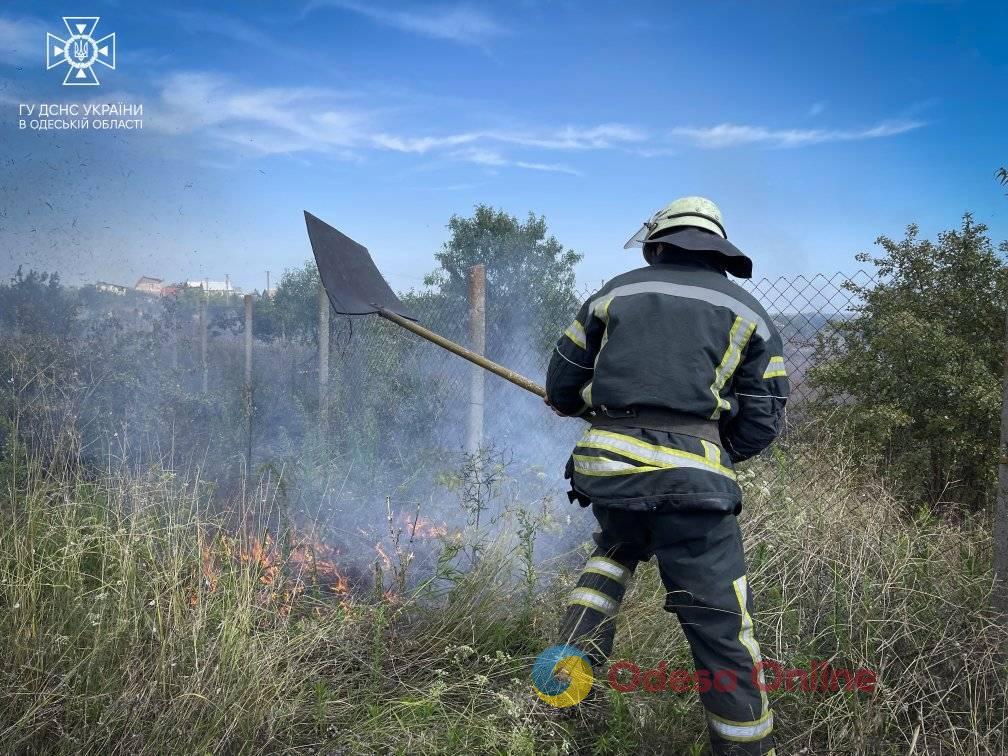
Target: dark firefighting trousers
702,567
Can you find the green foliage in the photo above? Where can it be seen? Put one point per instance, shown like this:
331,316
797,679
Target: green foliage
917,371
530,276
36,303
292,312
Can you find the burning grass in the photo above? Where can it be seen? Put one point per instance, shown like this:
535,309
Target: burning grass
132,622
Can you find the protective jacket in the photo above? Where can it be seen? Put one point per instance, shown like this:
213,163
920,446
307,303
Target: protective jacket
676,337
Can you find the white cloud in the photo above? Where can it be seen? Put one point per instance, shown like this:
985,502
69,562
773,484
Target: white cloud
304,120
734,135
481,157
458,23
884,129
22,40
421,145
267,120
495,159
549,167
290,121
600,137
574,138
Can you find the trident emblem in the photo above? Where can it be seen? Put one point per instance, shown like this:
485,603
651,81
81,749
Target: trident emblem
80,51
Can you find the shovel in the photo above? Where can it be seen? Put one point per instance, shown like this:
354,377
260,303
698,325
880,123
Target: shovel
356,287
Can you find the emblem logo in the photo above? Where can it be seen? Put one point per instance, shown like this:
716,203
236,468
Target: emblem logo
562,676
80,51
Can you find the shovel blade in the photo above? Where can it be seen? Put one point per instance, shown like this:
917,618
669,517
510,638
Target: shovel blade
351,279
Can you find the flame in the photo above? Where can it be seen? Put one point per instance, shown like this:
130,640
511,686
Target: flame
309,564
386,561
424,528
300,562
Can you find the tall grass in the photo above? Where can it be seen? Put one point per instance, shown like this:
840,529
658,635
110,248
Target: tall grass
117,637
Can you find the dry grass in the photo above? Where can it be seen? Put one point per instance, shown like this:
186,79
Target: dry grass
838,576
113,640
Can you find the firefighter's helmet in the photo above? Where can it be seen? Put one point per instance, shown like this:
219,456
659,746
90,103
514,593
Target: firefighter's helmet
693,224
695,212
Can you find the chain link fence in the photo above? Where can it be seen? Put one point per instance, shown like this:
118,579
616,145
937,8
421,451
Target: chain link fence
805,309
397,396
395,407
392,419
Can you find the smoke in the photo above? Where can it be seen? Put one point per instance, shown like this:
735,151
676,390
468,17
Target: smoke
383,475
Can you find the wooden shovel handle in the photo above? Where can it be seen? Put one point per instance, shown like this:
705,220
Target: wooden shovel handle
467,354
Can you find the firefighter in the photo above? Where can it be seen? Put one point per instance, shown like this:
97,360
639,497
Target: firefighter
680,373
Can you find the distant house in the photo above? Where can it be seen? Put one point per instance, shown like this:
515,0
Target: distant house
213,287
110,288
149,285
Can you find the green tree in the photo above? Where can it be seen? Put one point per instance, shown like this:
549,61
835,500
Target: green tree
37,303
530,278
292,311
917,371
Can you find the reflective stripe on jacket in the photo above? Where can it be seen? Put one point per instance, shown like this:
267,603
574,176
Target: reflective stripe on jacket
679,336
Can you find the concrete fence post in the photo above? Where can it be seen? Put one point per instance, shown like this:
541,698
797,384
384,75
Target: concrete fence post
477,342
323,355
1000,596
174,344
203,341
247,387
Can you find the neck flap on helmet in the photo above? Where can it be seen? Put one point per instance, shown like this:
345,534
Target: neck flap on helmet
730,257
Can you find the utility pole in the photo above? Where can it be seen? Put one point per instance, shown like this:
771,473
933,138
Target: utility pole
323,355
999,602
267,284
248,386
477,342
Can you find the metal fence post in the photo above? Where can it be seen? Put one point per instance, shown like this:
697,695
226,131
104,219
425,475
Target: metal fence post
248,386
999,598
323,355
477,342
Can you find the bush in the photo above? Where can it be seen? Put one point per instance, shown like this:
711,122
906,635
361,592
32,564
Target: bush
916,373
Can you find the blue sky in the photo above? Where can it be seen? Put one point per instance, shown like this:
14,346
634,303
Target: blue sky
816,126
